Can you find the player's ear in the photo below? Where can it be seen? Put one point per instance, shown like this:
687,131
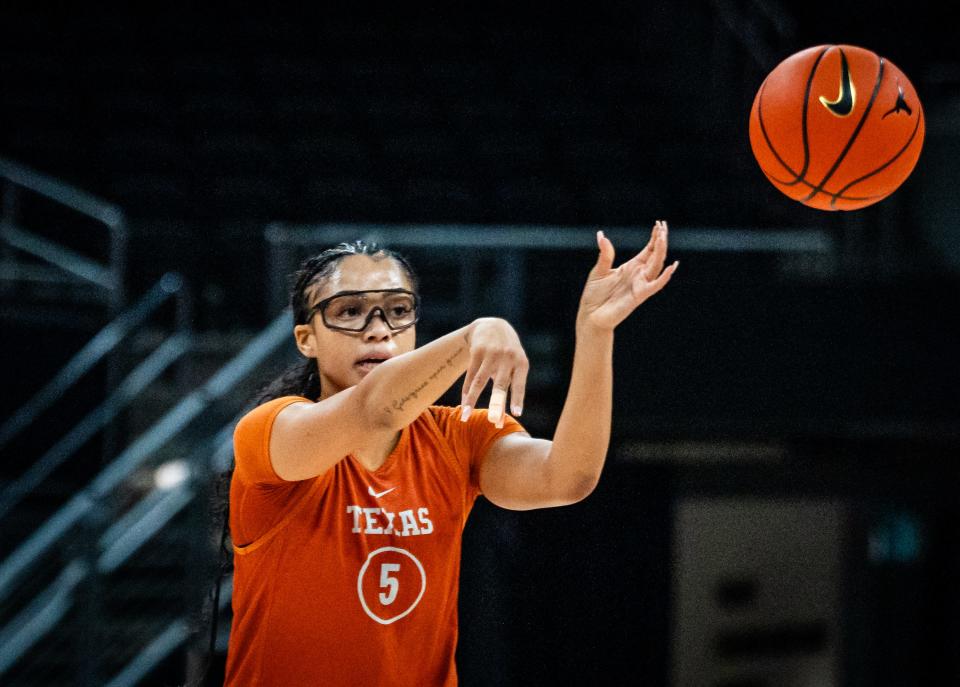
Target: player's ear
306,340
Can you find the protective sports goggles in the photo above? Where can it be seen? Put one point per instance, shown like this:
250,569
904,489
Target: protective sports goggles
352,311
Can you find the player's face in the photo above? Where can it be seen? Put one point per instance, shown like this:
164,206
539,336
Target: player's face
345,357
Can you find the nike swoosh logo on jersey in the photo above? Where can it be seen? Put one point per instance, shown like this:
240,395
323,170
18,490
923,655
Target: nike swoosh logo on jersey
382,493
844,103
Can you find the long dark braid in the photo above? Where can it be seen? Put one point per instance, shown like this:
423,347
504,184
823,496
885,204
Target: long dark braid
300,379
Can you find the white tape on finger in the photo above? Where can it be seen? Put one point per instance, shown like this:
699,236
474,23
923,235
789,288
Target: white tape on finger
498,401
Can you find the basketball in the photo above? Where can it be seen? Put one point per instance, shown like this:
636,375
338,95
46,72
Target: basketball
836,127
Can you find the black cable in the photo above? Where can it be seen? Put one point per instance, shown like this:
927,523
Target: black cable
215,617
222,567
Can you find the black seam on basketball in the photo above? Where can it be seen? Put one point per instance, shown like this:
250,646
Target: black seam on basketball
916,128
797,177
766,137
803,120
853,137
810,185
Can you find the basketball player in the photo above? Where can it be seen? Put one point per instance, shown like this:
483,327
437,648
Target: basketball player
351,489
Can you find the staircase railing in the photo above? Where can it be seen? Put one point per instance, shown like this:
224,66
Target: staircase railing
15,179
17,182
178,631
118,542
116,545
170,285
167,353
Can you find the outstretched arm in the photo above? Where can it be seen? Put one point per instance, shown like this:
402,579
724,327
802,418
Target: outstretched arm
520,472
309,438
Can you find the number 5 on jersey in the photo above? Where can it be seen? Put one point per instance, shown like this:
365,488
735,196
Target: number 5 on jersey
387,598
390,584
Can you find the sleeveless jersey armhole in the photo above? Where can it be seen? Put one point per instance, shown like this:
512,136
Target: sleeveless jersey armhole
273,531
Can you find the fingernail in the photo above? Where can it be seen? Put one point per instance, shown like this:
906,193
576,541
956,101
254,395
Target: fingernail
465,413
500,424
516,410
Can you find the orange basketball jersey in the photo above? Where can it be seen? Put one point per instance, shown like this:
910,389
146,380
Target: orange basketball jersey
351,578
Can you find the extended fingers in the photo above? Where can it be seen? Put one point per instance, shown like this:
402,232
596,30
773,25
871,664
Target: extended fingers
473,383
655,262
498,400
664,277
605,257
513,374
652,287
476,359
518,387
656,236
508,371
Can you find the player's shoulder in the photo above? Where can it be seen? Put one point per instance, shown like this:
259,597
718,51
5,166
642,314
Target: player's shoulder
265,412
281,401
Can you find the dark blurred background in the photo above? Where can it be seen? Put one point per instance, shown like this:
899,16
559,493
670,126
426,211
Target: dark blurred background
779,503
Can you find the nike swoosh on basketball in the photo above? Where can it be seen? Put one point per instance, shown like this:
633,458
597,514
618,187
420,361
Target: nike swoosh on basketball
382,493
843,105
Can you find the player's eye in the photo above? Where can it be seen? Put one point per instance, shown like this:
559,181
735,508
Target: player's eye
346,311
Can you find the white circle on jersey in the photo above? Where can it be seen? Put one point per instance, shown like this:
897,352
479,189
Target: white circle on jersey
389,583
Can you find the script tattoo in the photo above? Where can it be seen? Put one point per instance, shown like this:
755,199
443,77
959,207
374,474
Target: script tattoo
413,393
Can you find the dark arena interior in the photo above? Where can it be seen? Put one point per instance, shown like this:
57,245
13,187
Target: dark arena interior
779,504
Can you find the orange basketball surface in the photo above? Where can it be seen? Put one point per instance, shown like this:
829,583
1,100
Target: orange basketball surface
836,127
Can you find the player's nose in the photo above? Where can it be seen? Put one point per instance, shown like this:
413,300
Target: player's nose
377,330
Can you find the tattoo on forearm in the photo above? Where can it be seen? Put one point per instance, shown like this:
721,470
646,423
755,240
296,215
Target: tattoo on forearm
398,403
413,393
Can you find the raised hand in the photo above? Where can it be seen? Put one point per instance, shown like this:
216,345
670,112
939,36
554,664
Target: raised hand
611,294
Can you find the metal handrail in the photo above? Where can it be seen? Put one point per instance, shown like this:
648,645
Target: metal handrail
165,643
111,216
511,244
65,194
143,375
116,545
66,259
178,631
701,239
176,419
41,616
51,605
126,536
169,285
